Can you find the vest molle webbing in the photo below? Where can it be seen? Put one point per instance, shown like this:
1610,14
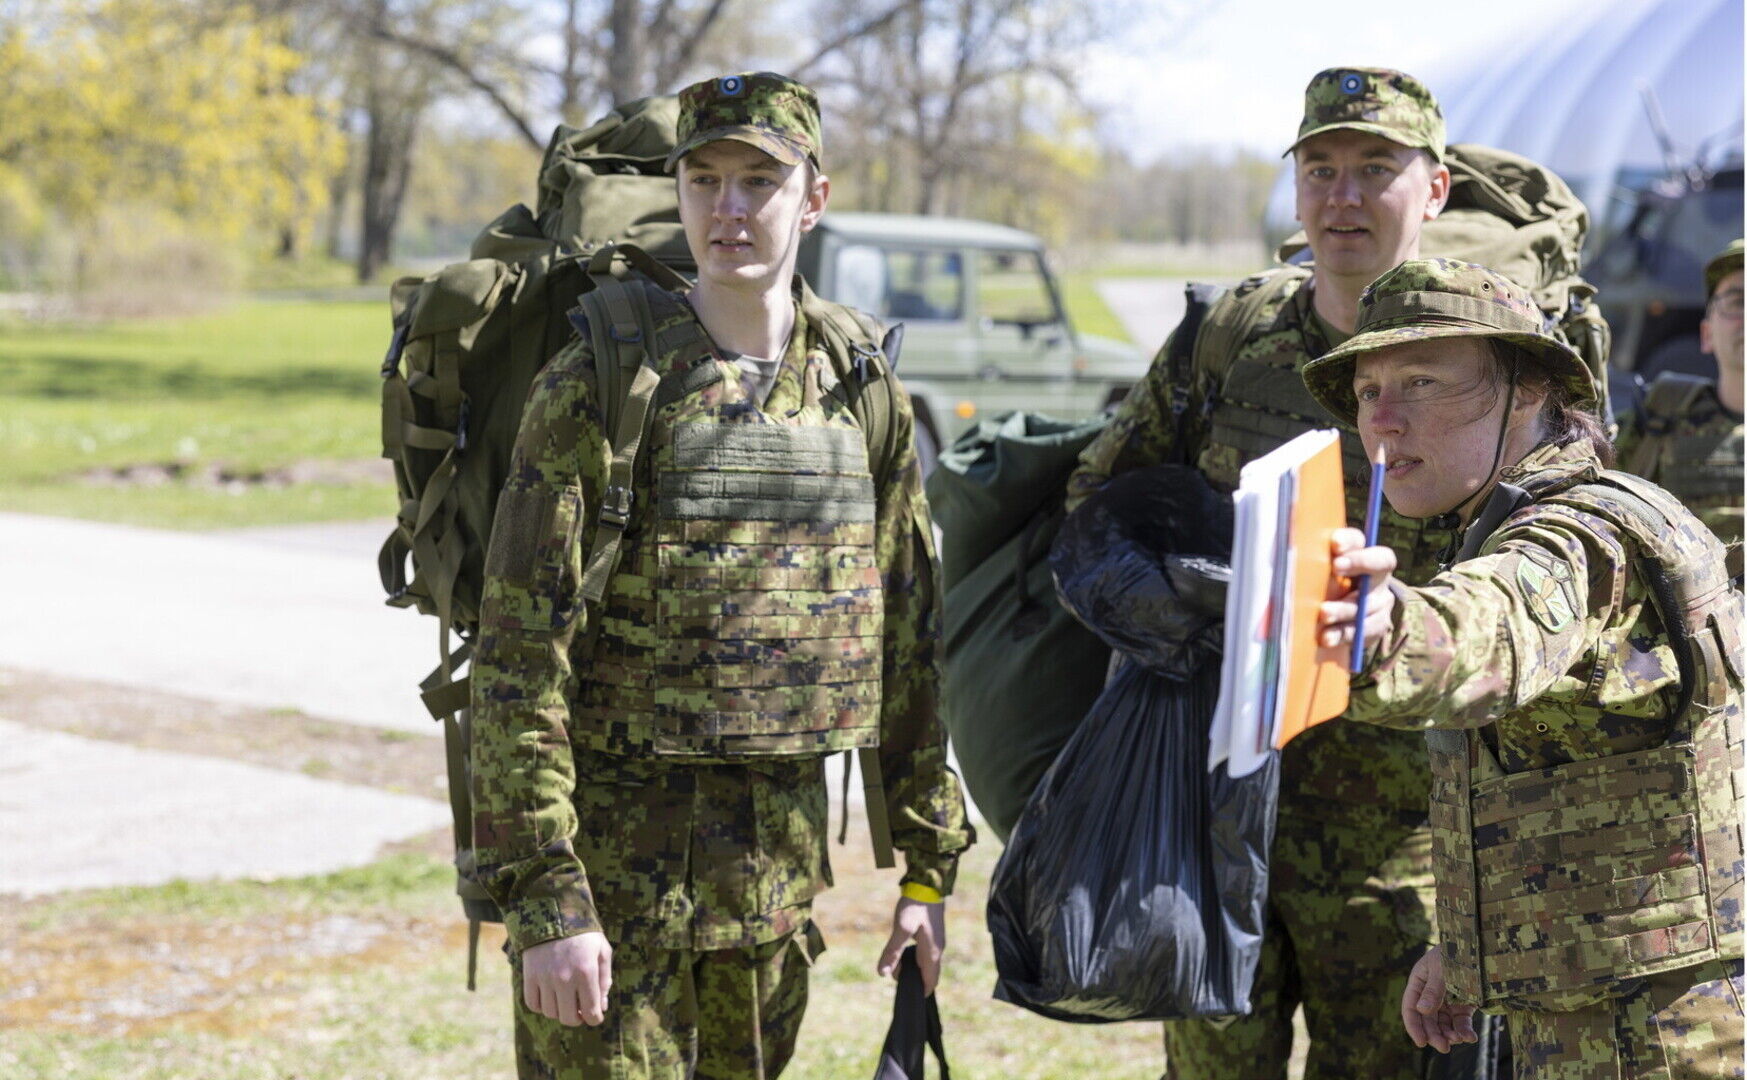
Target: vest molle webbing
1566,880
745,617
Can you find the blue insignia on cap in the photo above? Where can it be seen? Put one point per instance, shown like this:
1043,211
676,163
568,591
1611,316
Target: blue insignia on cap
1352,82
731,86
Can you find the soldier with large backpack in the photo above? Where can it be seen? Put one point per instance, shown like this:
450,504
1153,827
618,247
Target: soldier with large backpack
703,577
1350,906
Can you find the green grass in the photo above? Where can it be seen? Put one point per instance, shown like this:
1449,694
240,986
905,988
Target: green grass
1088,310
401,1010
263,385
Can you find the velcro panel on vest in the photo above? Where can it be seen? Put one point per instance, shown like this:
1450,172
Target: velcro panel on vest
1588,873
768,472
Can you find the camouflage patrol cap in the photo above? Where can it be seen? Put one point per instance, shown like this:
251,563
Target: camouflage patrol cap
771,112
1383,102
1726,262
1441,298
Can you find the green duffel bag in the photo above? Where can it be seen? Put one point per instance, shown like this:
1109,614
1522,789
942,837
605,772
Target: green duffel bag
1020,671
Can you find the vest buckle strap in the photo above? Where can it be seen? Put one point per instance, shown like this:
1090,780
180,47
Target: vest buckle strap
616,507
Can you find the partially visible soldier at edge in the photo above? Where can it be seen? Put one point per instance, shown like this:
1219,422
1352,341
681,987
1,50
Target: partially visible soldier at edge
651,805
1350,886
1686,435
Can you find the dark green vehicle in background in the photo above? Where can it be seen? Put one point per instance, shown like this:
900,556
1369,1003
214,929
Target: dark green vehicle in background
985,330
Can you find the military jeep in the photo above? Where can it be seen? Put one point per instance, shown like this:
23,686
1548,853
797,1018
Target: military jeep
985,330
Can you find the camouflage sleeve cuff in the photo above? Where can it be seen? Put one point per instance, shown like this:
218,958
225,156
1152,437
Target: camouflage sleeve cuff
931,870
533,921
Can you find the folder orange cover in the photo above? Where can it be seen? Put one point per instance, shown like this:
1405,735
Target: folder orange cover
1316,688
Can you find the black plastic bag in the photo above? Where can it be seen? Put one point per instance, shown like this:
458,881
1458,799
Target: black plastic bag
1134,886
1135,883
1140,564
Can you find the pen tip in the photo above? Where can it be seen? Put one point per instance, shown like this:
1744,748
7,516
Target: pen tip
1381,457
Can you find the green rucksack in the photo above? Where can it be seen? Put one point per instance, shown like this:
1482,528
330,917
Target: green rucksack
468,342
1018,671
1521,219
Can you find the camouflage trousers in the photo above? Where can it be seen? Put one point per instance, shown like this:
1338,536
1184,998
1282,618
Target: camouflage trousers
679,1014
1349,911
1681,1025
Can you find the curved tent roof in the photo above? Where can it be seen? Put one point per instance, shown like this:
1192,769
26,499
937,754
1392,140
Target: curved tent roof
1572,100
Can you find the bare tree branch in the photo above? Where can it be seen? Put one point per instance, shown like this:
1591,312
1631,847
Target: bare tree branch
457,64
681,58
869,26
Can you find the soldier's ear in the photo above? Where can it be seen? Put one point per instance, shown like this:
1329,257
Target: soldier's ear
1440,192
817,196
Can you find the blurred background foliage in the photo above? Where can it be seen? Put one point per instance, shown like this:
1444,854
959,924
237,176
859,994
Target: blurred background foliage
160,156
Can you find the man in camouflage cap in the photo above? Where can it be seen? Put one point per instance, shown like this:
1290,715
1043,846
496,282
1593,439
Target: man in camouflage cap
650,789
1586,804
1350,878
1686,433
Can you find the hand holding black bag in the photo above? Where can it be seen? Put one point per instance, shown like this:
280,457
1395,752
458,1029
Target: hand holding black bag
1134,884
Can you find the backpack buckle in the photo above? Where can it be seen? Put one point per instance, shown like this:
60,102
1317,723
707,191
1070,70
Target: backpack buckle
616,507
863,353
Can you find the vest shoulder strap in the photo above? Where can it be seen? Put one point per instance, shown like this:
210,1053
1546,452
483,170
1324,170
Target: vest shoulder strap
1685,576
1229,321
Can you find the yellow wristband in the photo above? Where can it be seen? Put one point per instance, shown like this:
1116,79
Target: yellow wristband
922,893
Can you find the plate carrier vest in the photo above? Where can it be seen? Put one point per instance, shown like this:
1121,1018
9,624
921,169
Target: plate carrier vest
1565,881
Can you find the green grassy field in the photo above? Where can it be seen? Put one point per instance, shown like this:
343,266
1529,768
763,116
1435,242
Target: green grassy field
219,413
263,414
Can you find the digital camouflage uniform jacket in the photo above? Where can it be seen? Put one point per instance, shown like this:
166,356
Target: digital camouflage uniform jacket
1566,828
1600,684
684,854
1255,405
1694,453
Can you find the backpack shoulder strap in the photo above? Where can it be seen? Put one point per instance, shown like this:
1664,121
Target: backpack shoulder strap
1180,351
1229,320
864,357
621,327
1671,395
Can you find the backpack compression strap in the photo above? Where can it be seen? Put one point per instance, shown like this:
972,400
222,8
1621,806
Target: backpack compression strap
622,337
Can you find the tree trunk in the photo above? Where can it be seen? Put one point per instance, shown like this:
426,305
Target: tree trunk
387,166
626,61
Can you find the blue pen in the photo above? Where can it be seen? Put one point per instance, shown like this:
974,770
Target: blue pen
1372,512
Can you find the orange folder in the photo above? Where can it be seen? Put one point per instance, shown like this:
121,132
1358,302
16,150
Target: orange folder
1316,689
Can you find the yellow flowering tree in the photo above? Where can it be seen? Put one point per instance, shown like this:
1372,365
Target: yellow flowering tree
166,105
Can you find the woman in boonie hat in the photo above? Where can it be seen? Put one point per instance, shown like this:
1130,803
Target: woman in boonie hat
1577,669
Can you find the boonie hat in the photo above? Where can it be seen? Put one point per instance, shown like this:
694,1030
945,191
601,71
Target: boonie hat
1425,299
1378,100
762,109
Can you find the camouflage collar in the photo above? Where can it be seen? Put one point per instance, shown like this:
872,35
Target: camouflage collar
1549,465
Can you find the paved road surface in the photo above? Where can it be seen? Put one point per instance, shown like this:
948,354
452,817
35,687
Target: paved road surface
275,617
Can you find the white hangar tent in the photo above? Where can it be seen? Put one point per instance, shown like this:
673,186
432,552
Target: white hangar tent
1572,100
